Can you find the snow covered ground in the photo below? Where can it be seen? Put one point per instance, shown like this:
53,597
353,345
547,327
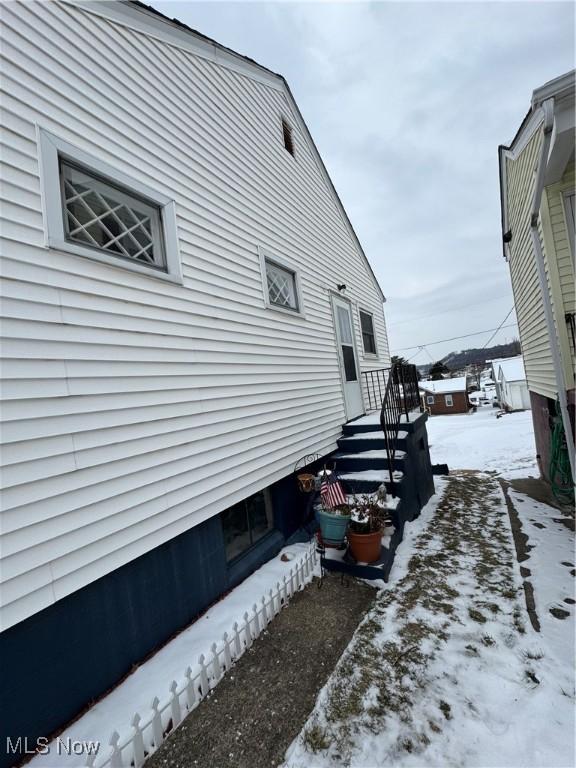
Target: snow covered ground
552,569
153,677
481,441
446,669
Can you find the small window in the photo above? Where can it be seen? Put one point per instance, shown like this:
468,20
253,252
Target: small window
95,210
430,399
102,216
246,523
288,140
368,337
448,400
281,284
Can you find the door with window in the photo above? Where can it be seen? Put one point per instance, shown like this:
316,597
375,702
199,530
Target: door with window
348,358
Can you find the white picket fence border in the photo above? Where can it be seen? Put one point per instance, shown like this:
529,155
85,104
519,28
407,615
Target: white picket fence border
149,732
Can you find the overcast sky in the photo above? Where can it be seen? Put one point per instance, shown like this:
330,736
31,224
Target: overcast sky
407,103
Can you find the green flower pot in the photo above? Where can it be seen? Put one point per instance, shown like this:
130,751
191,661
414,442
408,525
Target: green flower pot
332,527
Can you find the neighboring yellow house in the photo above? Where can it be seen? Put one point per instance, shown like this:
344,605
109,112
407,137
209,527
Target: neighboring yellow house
537,199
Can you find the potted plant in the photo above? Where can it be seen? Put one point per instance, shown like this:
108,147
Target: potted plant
333,524
369,516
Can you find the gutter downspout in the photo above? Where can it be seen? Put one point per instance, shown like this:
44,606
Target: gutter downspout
548,109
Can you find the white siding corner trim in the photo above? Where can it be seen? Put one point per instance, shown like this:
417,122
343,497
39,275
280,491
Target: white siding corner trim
51,149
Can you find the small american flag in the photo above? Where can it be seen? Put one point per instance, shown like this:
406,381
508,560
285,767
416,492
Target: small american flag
331,491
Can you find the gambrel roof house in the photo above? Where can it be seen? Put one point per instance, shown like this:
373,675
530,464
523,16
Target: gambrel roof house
537,204
187,313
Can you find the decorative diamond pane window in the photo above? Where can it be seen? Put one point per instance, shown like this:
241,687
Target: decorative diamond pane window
281,286
100,215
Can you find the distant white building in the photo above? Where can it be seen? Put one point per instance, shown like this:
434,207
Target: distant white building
511,385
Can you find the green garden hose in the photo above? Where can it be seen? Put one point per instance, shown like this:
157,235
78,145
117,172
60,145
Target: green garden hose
560,474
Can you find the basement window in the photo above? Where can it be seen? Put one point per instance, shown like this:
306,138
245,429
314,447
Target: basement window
288,139
246,523
94,210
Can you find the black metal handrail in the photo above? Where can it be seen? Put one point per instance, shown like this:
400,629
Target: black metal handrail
400,398
374,387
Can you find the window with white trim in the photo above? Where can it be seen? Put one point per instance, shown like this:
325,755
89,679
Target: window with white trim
448,400
281,285
368,335
430,399
92,209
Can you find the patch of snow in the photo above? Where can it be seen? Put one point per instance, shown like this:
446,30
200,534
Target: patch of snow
379,475
441,386
483,442
512,369
376,454
550,561
370,418
375,435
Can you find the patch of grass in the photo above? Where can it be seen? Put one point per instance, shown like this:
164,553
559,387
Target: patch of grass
531,677
518,619
488,640
476,616
315,739
446,709
407,745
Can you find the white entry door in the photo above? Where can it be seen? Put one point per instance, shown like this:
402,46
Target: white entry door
347,356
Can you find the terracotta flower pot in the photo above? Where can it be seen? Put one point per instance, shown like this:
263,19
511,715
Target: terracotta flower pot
365,547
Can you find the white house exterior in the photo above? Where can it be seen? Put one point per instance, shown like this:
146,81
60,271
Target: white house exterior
512,385
153,383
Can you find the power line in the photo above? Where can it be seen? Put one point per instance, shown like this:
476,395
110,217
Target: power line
428,353
455,338
497,329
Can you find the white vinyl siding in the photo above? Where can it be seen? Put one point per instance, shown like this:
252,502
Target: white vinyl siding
136,408
523,270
